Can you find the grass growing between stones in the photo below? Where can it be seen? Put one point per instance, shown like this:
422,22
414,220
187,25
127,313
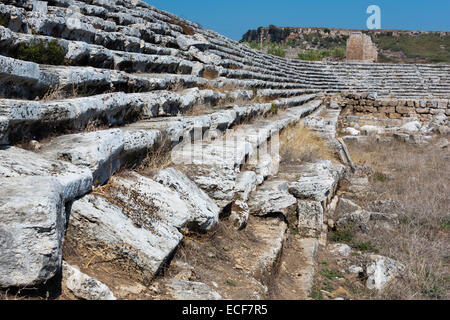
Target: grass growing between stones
4,21
210,74
158,158
331,274
319,55
299,144
40,52
419,182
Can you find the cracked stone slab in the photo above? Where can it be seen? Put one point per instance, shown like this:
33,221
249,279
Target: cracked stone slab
204,213
98,151
317,181
100,225
16,162
32,221
148,195
84,286
190,290
273,197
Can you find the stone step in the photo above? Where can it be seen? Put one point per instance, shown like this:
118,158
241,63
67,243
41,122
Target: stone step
122,233
81,53
215,165
103,152
114,225
35,119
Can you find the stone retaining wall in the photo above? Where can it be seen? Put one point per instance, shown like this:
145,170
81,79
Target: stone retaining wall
423,109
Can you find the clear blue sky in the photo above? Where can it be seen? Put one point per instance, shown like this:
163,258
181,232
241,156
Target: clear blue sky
233,18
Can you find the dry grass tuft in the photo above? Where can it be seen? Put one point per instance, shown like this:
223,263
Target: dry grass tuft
186,29
55,94
418,180
198,109
210,73
158,158
299,144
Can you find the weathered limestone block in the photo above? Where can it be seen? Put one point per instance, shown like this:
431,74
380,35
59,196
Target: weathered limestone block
245,183
371,130
98,151
404,110
267,164
422,110
97,224
84,286
40,6
189,290
25,117
197,41
310,217
345,206
32,221
318,181
240,213
204,213
381,271
16,162
16,17
411,127
273,197
5,36
205,57
213,166
137,142
358,219
17,77
147,194
340,249
271,234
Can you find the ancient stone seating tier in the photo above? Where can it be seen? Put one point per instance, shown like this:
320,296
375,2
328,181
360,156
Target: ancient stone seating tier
89,88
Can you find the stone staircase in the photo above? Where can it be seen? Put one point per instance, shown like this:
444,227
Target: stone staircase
132,82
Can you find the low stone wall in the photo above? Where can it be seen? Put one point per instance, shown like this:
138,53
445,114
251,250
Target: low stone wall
365,104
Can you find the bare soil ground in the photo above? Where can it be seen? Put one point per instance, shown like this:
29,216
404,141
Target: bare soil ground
416,179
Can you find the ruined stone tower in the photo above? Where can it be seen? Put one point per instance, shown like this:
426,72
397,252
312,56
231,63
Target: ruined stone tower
361,48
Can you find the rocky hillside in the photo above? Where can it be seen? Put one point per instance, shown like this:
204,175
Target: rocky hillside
395,46
144,157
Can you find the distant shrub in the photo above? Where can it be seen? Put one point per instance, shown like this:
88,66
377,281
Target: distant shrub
319,55
429,47
40,52
331,274
312,55
254,93
231,283
380,177
364,246
274,109
338,53
290,43
253,44
276,50
342,235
